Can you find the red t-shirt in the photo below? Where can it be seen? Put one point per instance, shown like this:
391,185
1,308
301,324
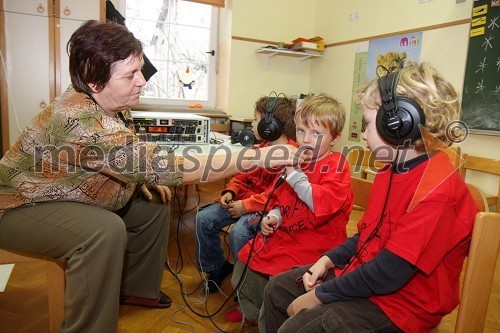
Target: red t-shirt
427,221
250,187
304,235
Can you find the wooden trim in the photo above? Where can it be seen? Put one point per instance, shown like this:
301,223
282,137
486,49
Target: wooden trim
253,40
102,10
358,40
214,115
4,96
217,3
402,32
54,57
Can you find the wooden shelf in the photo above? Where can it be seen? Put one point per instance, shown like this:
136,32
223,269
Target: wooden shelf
301,56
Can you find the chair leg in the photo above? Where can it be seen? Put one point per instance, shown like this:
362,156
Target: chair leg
55,287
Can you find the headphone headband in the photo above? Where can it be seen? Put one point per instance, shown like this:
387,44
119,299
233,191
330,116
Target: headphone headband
270,128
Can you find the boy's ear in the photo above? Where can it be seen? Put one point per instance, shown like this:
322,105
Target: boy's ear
335,139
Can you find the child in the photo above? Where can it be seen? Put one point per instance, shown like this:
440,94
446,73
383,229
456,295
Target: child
400,272
309,211
243,195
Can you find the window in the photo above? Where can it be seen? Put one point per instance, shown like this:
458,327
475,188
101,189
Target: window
178,38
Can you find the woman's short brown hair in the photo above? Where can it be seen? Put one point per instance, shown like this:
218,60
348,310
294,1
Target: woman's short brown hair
93,50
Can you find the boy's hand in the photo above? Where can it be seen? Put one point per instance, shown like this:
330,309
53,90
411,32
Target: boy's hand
236,209
226,199
314,276
307,301
268,225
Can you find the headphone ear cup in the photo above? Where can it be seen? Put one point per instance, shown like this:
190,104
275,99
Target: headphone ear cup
402,128
269,130
245,137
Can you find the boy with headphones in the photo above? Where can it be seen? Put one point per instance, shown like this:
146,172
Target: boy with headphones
400,272
309,211
243,195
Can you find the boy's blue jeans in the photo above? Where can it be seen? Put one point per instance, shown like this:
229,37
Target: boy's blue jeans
209,221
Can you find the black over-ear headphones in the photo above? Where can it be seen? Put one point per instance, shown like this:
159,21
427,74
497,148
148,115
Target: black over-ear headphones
398,117
270,128
245,137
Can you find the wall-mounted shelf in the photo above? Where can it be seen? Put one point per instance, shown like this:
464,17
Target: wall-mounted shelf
301,56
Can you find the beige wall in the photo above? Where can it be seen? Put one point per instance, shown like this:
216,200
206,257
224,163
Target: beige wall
268,20
383,16
276,20
445,48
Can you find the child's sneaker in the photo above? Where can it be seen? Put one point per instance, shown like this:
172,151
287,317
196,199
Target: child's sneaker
215,278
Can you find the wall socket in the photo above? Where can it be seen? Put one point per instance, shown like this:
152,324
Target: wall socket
353,16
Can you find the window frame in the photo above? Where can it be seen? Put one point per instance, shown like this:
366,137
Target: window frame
212,65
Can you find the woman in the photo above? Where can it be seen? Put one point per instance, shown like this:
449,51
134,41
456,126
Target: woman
79,186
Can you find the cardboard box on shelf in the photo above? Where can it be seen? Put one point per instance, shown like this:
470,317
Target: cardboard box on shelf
314,44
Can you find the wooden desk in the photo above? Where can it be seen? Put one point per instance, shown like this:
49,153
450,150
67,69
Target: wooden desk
239,124
218,122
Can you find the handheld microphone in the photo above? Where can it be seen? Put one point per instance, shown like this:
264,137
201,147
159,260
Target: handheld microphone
281,179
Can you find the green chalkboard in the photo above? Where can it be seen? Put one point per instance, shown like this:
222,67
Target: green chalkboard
481,95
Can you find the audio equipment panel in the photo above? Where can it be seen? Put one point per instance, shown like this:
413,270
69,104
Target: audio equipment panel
165,127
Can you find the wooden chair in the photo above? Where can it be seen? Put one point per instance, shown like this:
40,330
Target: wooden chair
454,153
363,162
479,198
479,270
361,189
486,165
55,283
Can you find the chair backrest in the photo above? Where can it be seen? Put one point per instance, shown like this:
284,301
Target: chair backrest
361,189
479,198
479,272
454,153
483,164
362,161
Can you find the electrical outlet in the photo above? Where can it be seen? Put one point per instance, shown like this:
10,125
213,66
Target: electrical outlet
353,16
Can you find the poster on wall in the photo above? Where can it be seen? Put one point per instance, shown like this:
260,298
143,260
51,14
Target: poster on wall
481,94
355,119
385,54
380,57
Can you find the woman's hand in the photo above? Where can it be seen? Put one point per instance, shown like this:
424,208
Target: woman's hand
268,225
236,209
163,191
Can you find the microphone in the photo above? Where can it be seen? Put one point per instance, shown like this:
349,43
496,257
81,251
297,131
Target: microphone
281,179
